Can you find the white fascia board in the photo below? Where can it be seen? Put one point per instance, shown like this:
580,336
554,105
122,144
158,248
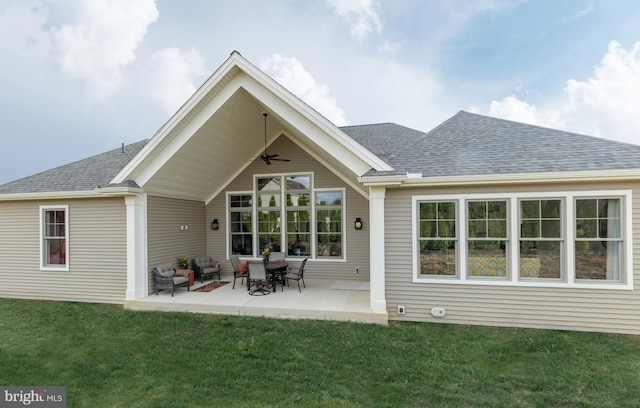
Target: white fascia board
119,191
313,116
306,123
571,176
278,95
51,195
65,195
393,180
177,117
188,131
414,180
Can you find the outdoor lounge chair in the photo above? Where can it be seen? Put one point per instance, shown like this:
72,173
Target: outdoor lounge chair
203,266
166,279
297,276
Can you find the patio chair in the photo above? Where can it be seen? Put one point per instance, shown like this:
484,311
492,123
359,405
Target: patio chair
203,267
297,276
258,281
278,275
276,256
237,273
166,279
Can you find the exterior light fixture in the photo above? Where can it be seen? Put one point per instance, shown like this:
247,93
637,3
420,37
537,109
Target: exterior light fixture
358,224
215,224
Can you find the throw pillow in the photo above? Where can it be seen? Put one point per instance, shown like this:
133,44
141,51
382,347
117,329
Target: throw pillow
182,272
280,260
242,268
214,264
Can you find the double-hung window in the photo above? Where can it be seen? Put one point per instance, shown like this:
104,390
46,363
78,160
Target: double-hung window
541,238
54,222
487,238
438,238
329,221
599,241
240,223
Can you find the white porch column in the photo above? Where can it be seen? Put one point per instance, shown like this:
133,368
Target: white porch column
376,243
137,278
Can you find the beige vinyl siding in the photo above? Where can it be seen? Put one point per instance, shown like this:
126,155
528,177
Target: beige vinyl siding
581,309
165,240
356,243
96,249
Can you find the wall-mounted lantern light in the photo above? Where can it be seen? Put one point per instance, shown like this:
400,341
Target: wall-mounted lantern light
215,224
358,224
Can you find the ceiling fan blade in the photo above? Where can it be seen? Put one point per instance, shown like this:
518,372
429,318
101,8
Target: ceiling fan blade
284,160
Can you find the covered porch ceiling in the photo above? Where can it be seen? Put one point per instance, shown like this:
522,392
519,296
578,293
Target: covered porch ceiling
204,160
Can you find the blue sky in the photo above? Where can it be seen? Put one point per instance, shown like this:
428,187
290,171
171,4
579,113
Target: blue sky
81,77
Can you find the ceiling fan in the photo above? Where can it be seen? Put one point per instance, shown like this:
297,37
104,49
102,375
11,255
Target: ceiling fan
264,156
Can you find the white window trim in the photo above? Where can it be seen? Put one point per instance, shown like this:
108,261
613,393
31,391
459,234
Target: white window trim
254,209
568,198
43,265
228,221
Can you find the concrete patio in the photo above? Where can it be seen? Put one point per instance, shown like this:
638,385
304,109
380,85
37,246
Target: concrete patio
321,299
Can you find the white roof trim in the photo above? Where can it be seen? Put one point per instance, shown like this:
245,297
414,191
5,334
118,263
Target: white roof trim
174,120
283,95
515,178
53,195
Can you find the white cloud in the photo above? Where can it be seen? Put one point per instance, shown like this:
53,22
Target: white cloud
103,40
172,73
590,8
21,35
605,105
291,74
513,108
361,14
460,13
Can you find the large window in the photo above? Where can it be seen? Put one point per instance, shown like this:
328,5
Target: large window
329,223
437,236
54,232
240,224
598,239
285,213
570,239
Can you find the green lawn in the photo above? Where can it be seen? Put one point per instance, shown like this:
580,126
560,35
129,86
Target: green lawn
109,357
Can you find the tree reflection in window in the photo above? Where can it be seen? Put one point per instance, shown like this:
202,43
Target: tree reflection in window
329,223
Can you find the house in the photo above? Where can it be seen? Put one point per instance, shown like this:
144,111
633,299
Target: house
479,221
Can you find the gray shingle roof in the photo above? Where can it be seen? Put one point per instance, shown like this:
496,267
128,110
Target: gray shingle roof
465,144
82,175
468,144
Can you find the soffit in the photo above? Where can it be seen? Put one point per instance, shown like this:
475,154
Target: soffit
228,141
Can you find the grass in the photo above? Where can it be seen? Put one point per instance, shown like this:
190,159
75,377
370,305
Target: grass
110,357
